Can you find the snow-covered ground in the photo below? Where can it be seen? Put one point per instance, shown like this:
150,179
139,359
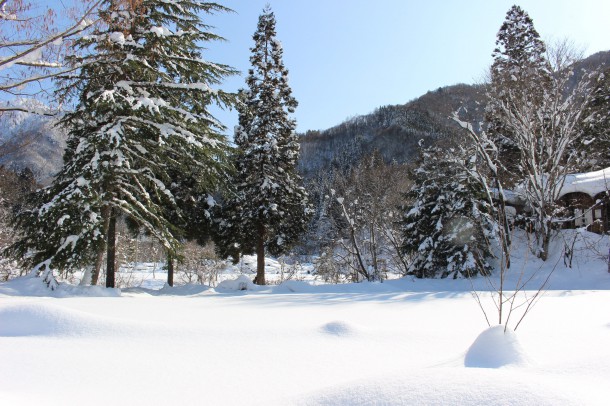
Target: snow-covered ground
405,341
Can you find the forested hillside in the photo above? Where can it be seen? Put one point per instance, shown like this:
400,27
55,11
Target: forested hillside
392,130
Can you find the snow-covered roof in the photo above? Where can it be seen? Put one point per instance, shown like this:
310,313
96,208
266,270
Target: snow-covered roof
591,183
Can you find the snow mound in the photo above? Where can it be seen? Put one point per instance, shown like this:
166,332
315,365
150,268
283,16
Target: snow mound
495,348
241,283
445,386
294,287
339,329
34,286
43,319
183,290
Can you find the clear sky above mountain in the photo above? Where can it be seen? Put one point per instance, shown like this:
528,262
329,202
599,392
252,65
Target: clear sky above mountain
347,57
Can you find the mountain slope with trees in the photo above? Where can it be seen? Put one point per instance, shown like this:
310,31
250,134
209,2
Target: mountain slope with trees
395,130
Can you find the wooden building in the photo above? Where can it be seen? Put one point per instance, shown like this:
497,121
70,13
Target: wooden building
585,198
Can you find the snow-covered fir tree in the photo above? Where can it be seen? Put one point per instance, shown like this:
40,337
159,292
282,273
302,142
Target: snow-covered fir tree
447,224
270,209
142,116
520,73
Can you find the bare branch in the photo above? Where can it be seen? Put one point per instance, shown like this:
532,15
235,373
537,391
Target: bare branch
24,60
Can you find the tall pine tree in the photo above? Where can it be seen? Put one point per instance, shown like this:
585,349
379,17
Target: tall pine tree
142,115
270,209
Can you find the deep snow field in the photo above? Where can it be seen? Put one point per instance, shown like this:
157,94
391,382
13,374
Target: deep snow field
401,342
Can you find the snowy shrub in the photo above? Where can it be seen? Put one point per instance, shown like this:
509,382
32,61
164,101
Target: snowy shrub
363,209
241,283
328,267
199,264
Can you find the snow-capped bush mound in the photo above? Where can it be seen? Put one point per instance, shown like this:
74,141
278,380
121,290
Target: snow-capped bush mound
241,283
495,348
339,329
42,319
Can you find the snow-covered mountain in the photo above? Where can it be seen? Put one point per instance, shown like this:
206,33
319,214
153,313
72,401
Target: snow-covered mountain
31,141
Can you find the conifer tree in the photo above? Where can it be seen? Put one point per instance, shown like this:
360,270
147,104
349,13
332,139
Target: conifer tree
448,224
270,208
520,75
142,116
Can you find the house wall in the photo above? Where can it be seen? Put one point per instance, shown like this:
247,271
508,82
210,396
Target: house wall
582,210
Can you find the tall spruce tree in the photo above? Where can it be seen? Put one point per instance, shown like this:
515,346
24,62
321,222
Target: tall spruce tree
142,115
520,75
448,224
270,209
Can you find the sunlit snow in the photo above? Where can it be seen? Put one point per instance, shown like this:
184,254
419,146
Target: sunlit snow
303,342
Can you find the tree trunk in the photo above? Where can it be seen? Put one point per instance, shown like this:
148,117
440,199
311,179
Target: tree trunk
111,250
505,236
86,280
546,242
170,269
363,271
99,260
373,245
260,256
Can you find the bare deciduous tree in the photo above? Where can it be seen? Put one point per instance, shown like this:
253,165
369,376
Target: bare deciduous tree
367,205
34,39
506,299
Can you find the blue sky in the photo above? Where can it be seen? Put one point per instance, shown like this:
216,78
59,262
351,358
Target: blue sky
347,57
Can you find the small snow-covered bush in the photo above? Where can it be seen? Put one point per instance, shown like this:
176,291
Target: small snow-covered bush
241,283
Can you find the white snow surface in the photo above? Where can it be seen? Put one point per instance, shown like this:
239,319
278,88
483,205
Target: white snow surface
495,347
401,342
